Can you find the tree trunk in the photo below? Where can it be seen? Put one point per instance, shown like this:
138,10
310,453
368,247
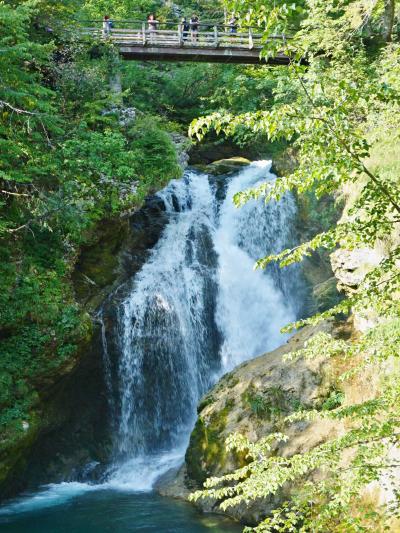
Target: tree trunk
388,19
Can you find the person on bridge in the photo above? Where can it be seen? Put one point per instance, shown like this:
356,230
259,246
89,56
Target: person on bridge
152,22
185,28
106,26
233,23
194,27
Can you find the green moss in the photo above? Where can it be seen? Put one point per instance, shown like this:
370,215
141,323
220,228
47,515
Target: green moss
227,166
206,453
99,260
206,400
231,380
23,412
283,158
316,215
326,295
271,403
20,436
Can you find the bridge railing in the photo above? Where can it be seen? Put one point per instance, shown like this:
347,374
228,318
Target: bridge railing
137,33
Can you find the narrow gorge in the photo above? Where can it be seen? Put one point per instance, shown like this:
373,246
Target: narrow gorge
192,312
199,266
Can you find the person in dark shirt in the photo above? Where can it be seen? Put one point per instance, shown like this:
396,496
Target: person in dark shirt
233,23
194,27
152,23
185,28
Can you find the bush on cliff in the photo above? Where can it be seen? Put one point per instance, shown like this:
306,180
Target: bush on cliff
67,162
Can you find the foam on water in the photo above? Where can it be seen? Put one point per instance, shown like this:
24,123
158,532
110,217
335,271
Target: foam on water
141,473
49,496
135,476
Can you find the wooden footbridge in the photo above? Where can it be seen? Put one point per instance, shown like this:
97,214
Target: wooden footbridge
212,43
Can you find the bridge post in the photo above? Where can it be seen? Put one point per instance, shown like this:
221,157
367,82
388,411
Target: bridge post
216,41
251,42
144,33
180,34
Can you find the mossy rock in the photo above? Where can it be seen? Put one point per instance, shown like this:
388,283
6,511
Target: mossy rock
98,263
326,295
204,402
284,160
206,453
227,166
15,447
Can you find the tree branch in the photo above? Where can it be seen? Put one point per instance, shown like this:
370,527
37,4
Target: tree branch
16,109
355,157
15,193
388,19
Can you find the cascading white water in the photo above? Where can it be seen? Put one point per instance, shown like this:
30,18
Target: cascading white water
194,311
168,343
253,305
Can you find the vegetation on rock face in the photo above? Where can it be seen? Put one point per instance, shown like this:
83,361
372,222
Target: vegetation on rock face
206,451
69,159
341,112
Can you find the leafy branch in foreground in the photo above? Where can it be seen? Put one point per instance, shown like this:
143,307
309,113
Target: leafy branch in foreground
361,455
336,113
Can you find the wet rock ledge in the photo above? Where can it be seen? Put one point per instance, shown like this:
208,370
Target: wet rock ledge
253,400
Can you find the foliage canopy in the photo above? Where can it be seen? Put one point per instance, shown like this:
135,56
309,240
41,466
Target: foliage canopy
338,112
69,161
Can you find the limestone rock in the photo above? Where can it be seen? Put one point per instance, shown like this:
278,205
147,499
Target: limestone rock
126,115
351,266
253,400
182,145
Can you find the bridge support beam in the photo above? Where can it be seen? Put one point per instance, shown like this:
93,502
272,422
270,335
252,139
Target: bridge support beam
206,55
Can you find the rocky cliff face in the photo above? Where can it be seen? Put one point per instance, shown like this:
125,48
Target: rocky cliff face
253,400
69,427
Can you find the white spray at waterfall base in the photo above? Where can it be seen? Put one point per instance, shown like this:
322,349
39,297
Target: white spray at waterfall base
195,310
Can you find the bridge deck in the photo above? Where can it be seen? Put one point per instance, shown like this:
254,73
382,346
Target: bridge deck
215,45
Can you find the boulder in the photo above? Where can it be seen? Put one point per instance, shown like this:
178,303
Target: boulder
227,166
253,400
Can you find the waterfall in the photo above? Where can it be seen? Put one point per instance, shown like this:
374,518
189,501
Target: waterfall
195,310
253,305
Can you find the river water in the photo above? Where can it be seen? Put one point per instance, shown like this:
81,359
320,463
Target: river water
194,311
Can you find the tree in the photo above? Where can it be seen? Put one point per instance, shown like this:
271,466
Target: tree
388,20
67,162
337,113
